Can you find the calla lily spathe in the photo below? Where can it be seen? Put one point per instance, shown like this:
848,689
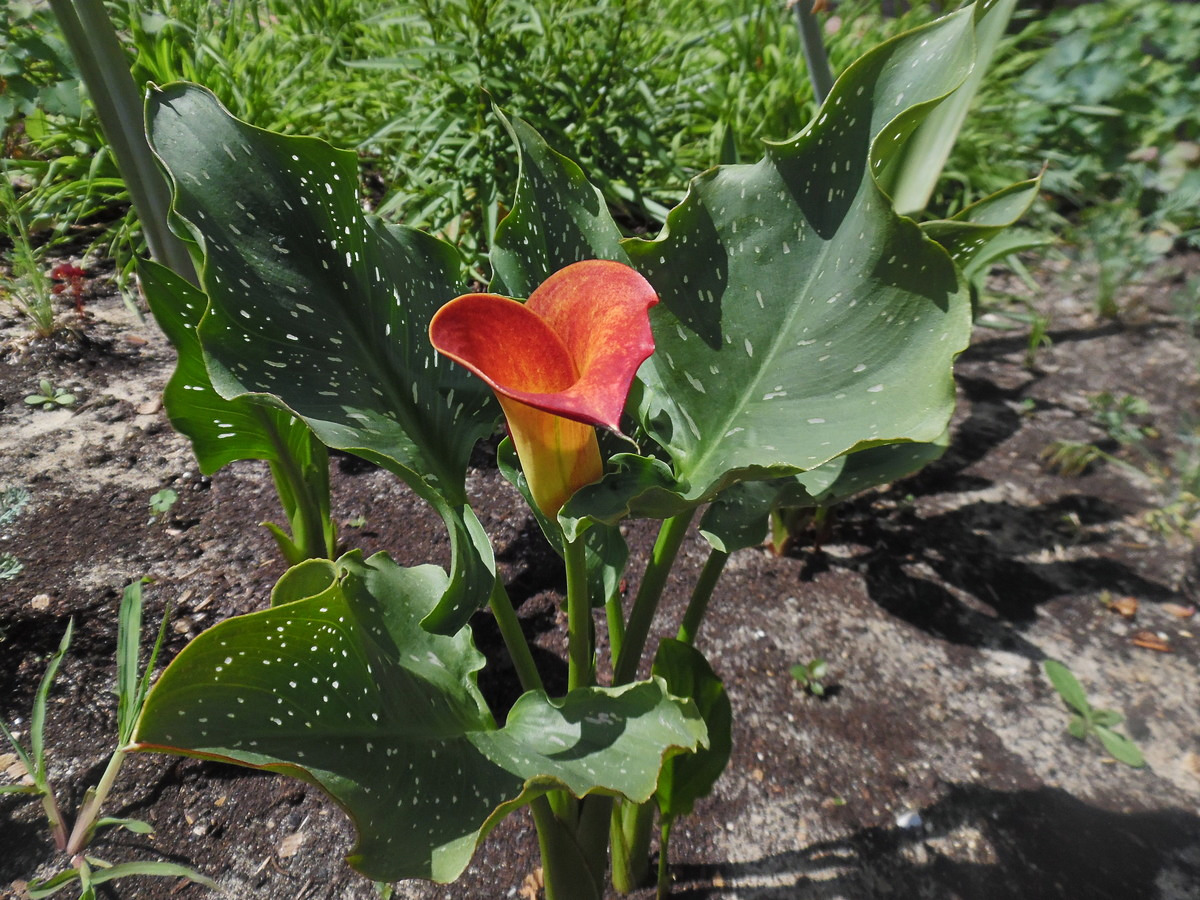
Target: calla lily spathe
559,364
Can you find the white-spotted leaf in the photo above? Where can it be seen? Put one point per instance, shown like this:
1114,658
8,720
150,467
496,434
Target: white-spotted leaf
339,685
801,318
558,218
322,310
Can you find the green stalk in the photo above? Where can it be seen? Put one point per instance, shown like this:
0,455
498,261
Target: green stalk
85,822
514,638
701,594
97,50
579,617
615,617
819,72
666,548
565,870
303,489
630,827
664,870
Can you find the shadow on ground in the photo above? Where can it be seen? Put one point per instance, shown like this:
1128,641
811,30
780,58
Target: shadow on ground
1043,844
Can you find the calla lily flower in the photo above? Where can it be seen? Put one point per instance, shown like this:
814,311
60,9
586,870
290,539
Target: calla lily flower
560,363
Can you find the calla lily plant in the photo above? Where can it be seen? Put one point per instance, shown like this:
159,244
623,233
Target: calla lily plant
787,337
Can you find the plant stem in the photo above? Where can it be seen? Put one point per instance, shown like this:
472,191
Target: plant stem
97,50
670,538
514,638
815,57
579,617
631,824
303,489
566,872
664,869
701,594
85,822
615,617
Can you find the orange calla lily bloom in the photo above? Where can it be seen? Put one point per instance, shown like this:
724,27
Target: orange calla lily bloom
559,364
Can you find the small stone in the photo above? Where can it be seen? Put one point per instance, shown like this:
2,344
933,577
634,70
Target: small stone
910,820
40,602
291,844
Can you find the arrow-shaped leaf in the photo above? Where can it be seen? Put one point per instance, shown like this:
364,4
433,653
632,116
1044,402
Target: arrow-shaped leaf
321,310
339,685
800,316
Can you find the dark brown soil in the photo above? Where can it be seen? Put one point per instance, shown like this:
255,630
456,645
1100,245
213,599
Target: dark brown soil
938,764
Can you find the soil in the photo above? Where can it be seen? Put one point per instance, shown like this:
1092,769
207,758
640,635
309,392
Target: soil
937,765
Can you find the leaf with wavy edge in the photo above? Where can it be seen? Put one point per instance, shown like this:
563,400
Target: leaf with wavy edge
801,318
321,310
337,684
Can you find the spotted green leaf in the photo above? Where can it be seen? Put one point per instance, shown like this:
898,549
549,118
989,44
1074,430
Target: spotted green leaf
323,311
223,430
339,685
801,318
557,218
914,174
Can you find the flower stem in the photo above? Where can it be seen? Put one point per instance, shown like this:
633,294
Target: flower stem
514,638
579,617
666,548
701,594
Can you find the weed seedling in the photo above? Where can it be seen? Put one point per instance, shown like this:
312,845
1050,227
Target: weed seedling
50,397
1090,721
810,676
131,689
161,502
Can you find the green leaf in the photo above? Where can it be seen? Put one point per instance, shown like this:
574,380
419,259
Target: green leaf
913,176
321,310
1078,728
635,486
688,777
558,218
801,318
39,889
1120,747
1067,686
1107,717
341,687
980,234
129,638
738,517
137,826
19,789
37,721
221,430
862,470
152,867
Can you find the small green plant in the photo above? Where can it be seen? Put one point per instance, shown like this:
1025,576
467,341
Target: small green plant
1039,338
50,397
1116,416
88,870
12,501
810,676
1088,720
161,502
26,284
